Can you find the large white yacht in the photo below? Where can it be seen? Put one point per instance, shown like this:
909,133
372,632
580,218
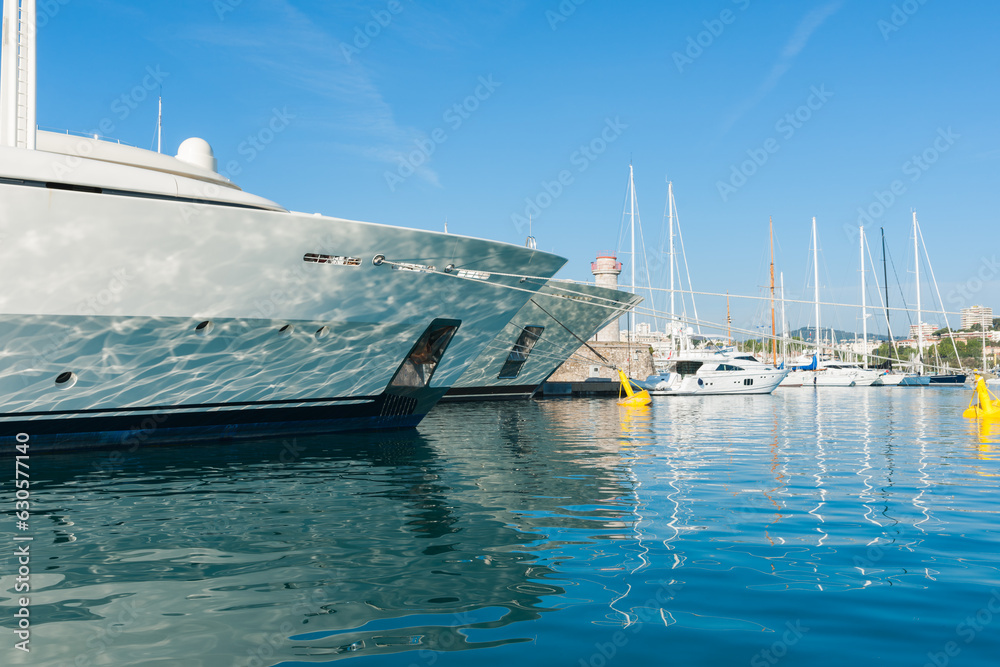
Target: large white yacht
149,299
541,336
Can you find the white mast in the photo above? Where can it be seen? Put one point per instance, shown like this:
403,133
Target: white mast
631,189
18,123
670,207
816,285
937,291
920,327
784,322
864,305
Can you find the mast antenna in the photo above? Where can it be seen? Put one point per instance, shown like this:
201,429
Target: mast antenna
159,124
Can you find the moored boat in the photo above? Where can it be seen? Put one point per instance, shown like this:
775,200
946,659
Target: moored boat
151,300
947,378
717,374
540,337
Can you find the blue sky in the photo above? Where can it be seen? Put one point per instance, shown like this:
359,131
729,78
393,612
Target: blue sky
819,107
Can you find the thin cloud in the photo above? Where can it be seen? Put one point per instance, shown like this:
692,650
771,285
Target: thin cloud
798,41
317,64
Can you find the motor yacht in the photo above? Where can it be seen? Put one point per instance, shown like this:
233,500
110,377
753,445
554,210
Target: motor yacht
150,300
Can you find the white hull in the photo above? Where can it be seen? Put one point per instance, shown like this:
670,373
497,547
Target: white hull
112,287
838,374
710,376
797,379
566,313
904,380
822,380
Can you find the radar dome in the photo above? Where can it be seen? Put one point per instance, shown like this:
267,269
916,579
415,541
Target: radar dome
197,152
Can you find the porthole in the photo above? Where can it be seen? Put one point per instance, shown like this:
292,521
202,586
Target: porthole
286,330
204,328
322,333
66,380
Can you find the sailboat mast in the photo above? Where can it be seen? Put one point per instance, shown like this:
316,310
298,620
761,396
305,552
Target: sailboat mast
864,305
784,322
774,337
885,278
631,189
916,269
816,285
729,322
670,214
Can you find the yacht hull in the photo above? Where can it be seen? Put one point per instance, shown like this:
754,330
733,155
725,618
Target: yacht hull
709,383
947,379
553,323
220,321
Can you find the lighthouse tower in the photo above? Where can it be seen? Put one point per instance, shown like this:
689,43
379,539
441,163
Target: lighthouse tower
606,271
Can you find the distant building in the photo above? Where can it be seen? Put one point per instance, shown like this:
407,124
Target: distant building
925,329
980,315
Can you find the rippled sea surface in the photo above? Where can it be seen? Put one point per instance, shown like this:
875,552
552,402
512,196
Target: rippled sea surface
810,527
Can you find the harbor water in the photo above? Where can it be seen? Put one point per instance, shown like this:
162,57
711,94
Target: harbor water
808,527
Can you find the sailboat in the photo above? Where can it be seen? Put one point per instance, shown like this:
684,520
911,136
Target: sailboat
937,378
891,377
828,372
722,371
151,300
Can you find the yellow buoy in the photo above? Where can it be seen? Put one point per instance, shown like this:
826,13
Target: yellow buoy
632,397
983,404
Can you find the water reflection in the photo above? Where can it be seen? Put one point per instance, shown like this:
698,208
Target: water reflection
364,547
705,524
